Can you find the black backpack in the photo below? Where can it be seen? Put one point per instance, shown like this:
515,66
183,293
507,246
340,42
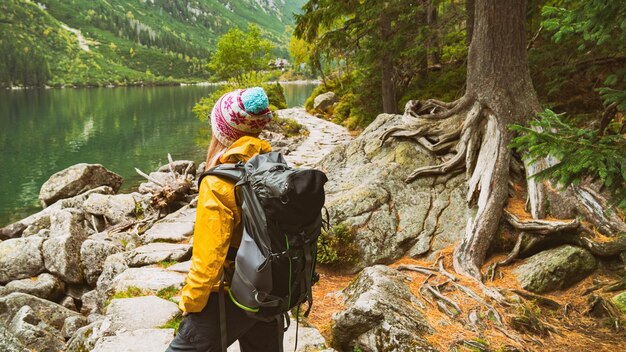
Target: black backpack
281,210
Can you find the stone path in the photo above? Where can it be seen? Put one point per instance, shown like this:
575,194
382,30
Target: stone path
323,137
149,330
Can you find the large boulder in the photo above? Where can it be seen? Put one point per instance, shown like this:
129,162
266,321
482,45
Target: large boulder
555,269
324,101
136,341
20,258
174,228
366,191
34,332
147,312
116,208
9,342
50,313
113,266
44,286
154,253
61,251
38,219
75,180
147,279
93,253
380,310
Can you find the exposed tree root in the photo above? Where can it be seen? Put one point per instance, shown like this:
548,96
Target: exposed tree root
605,249
543,227
592,205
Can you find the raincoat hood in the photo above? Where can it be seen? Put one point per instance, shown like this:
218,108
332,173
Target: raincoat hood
243,149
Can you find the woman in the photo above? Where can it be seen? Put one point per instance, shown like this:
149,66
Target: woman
236,121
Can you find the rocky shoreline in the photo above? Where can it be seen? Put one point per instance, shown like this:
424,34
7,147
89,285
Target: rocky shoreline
97,270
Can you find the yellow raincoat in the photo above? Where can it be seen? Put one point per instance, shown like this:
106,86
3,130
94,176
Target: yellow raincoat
218,226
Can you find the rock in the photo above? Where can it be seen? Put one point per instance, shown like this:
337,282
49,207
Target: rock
9,342
72,324
180,166
128,240
201,168
44,286
69,303
620,301
38,225
93,254
49,312
180,267
129,314
366,190
324,101
116,208
61,251
20,258
75,180
35,333
147,279
90,303
113,266
555,269
85,338
136,341
174,228
154,253
380,310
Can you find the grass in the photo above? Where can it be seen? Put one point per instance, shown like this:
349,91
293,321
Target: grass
173,323
167,263
167,293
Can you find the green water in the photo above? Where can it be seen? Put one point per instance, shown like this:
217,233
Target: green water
45,131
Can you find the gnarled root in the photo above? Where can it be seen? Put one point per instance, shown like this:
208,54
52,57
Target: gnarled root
543,227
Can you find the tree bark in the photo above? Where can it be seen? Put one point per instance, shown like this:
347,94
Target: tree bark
469,8
386,66
498,78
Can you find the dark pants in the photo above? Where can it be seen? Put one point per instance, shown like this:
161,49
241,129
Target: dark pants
200,332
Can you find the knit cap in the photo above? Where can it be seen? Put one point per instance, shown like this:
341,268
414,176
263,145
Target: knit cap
243,112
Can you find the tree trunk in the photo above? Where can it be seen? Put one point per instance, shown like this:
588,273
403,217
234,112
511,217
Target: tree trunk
499,79
469,8
386,66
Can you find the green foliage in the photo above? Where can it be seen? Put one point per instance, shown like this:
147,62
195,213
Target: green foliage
239,53
581,152
336,246
288,127
358,40
130,42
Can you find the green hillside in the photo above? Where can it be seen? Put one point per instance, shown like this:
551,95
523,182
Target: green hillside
101,42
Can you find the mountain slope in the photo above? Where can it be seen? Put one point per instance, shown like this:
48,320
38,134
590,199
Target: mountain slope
98,42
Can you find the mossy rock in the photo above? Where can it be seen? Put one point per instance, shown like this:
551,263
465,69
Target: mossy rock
555,269
620,301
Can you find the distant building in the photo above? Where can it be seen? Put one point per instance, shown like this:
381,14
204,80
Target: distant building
279,63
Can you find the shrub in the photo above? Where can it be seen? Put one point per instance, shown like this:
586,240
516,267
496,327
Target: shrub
336,246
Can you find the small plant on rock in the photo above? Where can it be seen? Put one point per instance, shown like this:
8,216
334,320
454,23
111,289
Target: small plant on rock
336,246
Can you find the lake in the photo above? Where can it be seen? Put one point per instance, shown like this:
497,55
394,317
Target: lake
44,131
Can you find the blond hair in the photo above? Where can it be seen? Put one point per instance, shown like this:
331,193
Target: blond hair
216,149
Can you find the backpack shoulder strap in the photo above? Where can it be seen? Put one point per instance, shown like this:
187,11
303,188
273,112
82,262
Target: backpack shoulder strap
233,172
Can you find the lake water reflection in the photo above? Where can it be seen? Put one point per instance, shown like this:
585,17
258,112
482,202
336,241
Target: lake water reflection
44,131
